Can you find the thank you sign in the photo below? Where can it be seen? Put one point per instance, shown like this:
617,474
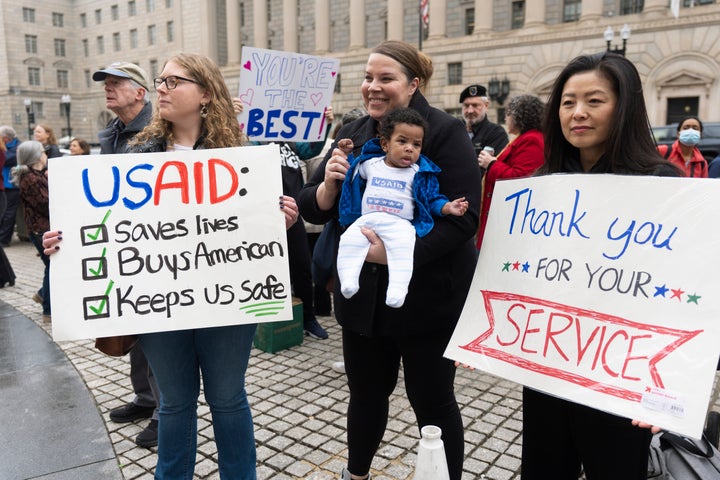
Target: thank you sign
600,289
167,241
285,95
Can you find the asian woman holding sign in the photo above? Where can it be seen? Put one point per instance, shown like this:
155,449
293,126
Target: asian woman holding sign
596,122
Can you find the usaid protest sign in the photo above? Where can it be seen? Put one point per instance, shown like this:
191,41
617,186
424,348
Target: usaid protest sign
285,95
601,289
167,241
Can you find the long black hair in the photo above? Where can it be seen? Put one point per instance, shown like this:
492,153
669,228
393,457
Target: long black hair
631,148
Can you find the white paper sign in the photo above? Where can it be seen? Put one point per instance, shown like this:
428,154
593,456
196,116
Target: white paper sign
285,95
601,289
167,241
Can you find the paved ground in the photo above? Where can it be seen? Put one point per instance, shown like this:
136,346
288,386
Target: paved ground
299,407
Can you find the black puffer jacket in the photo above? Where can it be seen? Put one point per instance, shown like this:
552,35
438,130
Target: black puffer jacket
444,259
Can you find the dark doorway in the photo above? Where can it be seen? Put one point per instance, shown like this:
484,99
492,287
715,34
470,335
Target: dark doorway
678,108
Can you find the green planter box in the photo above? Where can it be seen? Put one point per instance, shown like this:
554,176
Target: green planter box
272,337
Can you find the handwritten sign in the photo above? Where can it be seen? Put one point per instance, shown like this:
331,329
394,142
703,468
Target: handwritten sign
600,289
167,241
285,95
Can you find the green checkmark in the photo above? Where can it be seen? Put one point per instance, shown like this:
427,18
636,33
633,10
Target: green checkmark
101,307
95,236
100,265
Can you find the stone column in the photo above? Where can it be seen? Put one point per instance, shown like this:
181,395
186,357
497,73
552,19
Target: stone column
232,21
655,7
322,26
395,19
290,30
591,10
357,24
534,13
260,28
438,15
483,16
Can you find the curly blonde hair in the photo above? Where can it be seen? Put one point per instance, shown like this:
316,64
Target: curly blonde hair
220,128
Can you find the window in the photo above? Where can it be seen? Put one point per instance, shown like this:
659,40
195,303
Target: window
83,20
150,5
28,15
170,32
455,73
631,6
154,69
168,3
100,44
133,38
518,15
86,47
30,43
338,83
98,16
695,3
117,46
62,79
58,19
59,47
88,78
268,7
132,8
114,12
572,10
469,21
34,76
152,35
242,14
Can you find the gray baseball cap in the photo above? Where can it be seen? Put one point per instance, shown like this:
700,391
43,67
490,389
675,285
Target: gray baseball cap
123,70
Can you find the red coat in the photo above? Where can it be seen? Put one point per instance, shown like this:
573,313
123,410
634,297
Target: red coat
697,165
520,158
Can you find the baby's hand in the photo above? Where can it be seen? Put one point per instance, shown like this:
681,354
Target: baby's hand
457,207
346,145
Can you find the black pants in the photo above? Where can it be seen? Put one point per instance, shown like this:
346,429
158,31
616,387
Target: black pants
372,366
7,224
300,271
560,437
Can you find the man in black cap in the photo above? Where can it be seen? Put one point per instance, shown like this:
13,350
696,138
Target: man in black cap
482,132
126,95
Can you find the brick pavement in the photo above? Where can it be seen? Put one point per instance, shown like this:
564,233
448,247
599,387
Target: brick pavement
299,405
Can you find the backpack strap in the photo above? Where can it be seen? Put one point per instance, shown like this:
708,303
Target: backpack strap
665,154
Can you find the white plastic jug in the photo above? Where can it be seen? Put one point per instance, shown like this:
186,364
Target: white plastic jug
431,463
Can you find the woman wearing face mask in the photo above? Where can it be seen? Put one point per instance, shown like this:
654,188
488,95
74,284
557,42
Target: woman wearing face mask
684,152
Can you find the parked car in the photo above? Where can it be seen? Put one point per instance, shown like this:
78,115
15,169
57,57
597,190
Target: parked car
709,144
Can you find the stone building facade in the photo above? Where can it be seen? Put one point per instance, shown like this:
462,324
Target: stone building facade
50,49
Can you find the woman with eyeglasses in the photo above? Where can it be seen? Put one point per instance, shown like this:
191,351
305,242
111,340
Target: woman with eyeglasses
194,111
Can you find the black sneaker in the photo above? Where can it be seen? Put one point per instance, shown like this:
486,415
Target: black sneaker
130,412
148,437
313,329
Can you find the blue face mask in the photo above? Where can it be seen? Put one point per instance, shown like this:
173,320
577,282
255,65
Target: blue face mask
689,137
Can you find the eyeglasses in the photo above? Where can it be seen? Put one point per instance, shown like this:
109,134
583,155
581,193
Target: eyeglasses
171,82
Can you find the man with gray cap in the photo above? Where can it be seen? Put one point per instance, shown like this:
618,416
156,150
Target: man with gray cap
482,132
126,95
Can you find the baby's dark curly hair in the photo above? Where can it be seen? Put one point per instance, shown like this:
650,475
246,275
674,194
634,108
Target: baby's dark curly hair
527,112
401,115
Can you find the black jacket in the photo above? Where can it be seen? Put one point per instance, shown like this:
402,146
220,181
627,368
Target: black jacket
114,138
444,259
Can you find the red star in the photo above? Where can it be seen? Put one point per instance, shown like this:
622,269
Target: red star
516,266
677,293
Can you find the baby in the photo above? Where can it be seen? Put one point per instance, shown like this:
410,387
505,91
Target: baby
392,189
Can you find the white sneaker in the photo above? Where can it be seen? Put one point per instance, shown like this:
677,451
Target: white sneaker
338,367
345,475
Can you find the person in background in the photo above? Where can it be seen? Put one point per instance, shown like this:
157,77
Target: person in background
45,135
684,152
79,146
520,158
595,122
12,192
126,95
482,132
7,275
714,168
378,338
30,175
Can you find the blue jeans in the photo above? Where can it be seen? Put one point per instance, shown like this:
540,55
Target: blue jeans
177,358
36,240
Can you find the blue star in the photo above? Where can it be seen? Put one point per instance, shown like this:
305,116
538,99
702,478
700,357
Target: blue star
526,267
660,291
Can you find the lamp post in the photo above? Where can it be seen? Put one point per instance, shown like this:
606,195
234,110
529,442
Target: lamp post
498,90
624,34
31,116
65,99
